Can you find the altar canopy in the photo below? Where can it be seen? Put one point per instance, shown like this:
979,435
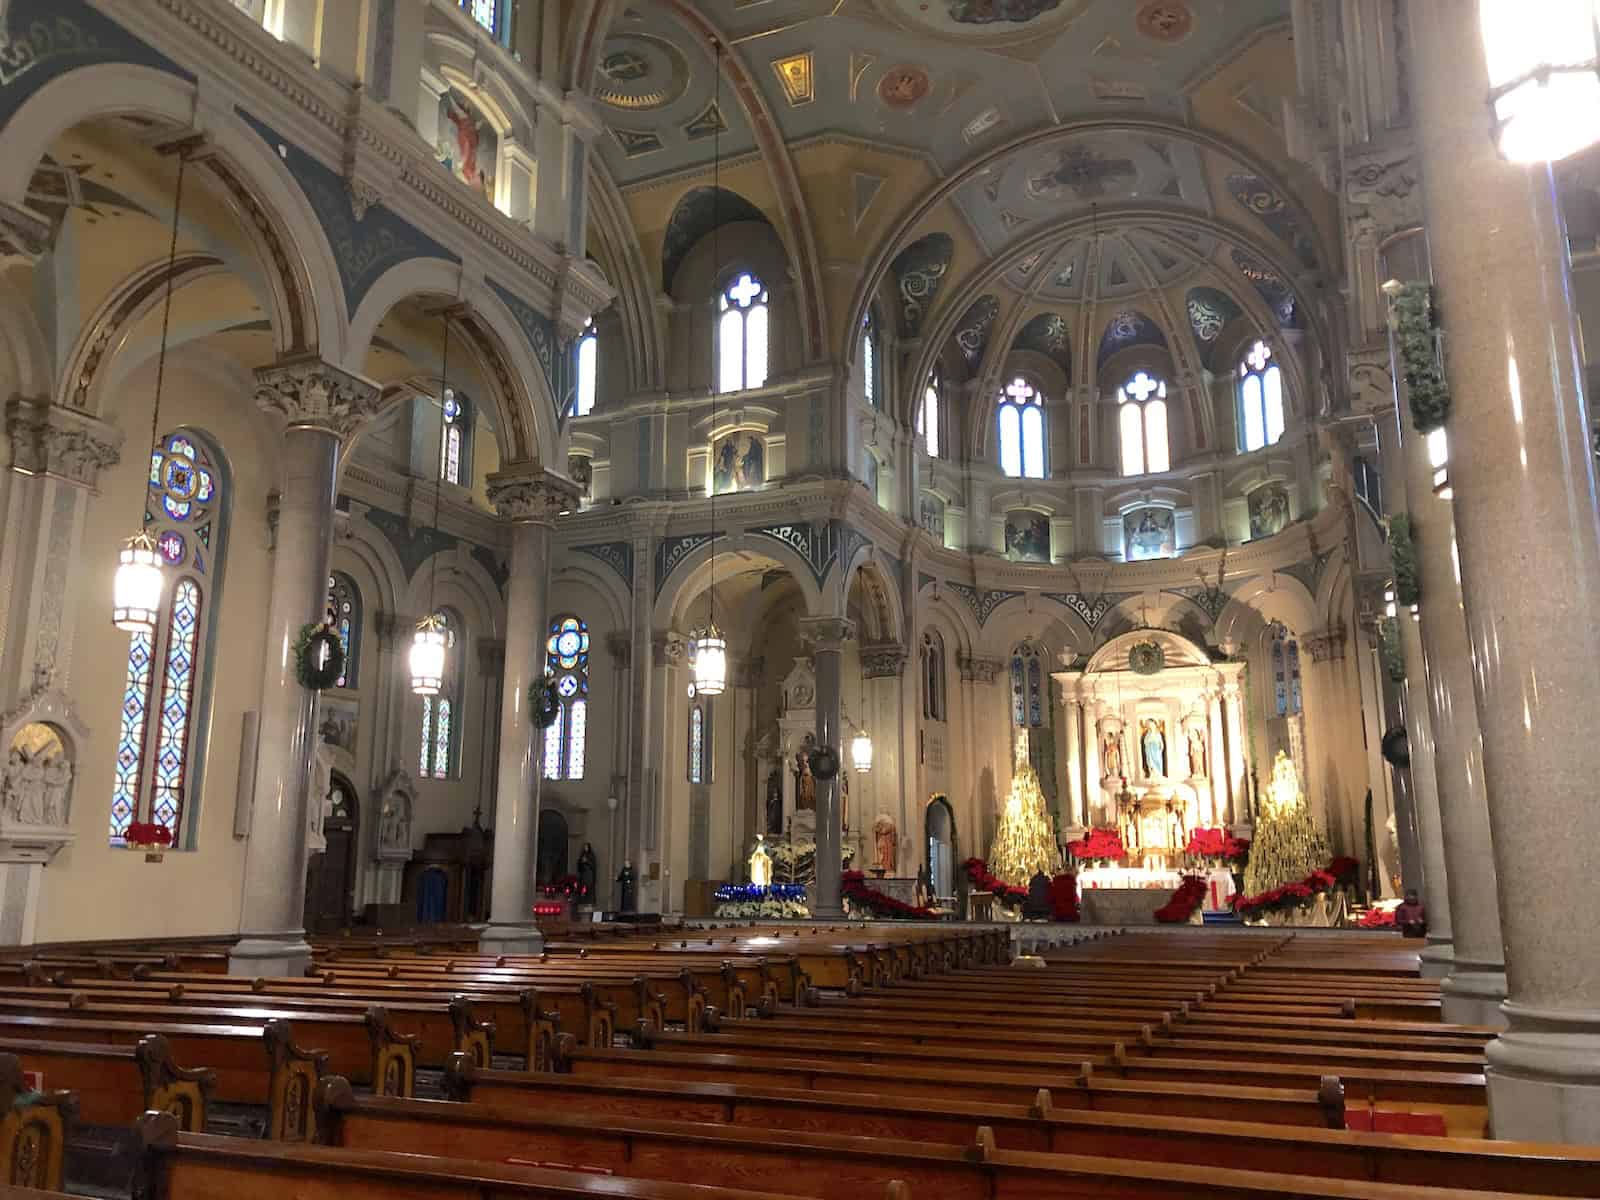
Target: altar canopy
1155,743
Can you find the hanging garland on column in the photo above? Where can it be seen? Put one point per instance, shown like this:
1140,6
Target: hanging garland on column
318,656
1389,651
1416,331
1403,555
543,703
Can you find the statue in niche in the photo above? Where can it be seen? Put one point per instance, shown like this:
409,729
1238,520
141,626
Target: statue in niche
844,800
805,783
1153,744
1111,755
775,802
57,781
588,872
1197,751
885,842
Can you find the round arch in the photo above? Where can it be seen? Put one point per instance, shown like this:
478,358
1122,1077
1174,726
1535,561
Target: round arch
696,571
881,598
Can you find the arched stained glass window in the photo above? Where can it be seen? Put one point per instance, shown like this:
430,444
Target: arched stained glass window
586,355
1286,693
1027,687
441,714
452,437
928,414
1021,420
700,762
567,662
1260,398
166,680
933,675
344,614
742,334
1142,425
869,359
486,13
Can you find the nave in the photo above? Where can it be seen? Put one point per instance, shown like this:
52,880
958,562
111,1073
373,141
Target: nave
687,1063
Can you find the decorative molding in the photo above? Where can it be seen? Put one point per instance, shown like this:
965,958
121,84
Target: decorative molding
24,236
60,443
668,649
549,351
529,495
306,391
1326,645
616,555
1091,611
1382,192
823,634
975,669
671,551
1370,378
982,601
884,660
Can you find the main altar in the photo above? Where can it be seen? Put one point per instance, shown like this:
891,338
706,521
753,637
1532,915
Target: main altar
1155,749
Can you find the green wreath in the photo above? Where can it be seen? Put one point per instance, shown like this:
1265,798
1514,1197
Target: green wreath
543,702
825,762
318,657
1146,658
1416,328
1403,556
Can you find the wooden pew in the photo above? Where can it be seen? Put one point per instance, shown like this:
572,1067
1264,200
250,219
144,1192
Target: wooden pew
33,1128
191,1166
115,1084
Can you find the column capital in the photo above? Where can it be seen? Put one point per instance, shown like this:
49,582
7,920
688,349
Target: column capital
883,660
620,646
980,670
1382,189
826,633
1326,645
749,672
311,393
668,648
62,443
529,495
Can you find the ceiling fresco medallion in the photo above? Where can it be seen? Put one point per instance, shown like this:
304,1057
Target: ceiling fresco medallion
987,12
992,22
901,87
1083,172
639,72
1164,21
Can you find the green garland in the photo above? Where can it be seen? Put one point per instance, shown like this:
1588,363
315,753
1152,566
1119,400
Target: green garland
1416,331
318,643
1394,660
1403,554
543,703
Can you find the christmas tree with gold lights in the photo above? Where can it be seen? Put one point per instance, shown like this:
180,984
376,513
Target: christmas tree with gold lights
1024,840
1287,845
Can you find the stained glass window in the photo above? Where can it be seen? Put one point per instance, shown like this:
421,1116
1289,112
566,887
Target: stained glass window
586,355
700,742
485,13
166,678
1142,425
742,334
439,734
452,435
1027,689
928,415
567,662
1260,398
344,613
869,360
933,675
1286,695
1021,430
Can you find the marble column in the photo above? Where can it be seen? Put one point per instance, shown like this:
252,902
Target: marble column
1071,713
1240,817
827,636
883,674
324,407
1221,811
1528,541
530,499
1439,953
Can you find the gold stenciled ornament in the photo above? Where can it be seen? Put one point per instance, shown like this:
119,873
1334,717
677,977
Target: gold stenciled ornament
1287,845
1024,841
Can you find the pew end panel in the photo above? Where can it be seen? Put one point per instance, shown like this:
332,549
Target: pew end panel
185,1093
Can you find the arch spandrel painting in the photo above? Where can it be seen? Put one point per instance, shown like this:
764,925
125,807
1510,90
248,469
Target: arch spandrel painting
1149,533
738,463
467,143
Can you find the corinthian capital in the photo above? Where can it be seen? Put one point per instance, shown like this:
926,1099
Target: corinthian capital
309,392
883,660
63,443
826,633
527,494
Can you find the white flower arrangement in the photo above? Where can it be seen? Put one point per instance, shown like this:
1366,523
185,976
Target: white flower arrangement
765,910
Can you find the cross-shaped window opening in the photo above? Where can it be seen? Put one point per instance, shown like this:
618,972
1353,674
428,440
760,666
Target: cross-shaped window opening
1021,428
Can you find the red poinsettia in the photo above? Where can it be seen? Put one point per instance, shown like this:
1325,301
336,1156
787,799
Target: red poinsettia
1191,892
1097,844
1377,918
1339,873
147,833
853,886
1216,843
981,880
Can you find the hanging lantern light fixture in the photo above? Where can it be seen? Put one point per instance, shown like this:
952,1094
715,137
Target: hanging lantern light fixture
139,582
708,661
861,752
1544,76
429,647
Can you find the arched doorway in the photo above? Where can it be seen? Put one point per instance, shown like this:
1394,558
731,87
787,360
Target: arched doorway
940,822
330,877
553,846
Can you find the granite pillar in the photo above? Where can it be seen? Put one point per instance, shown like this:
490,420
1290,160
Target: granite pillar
1439,953
827,636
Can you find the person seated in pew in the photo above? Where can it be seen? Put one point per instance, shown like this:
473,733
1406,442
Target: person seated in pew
1411,918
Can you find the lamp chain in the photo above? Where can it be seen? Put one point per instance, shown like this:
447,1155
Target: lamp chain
166,319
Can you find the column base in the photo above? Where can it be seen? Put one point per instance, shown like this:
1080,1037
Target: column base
1472,994
286,954
1438,956
511,939
1544,1077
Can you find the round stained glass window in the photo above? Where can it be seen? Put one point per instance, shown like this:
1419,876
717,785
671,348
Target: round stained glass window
568,644
568,686
452,408
171,546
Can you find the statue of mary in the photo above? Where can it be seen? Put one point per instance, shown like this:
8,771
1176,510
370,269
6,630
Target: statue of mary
1155,750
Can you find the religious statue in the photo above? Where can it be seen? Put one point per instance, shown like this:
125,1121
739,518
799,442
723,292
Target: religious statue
588,873
924,893
24,789
1197,751
1154,747
885,841
844,801
1111,755
775,801
805,784
57,779
761,863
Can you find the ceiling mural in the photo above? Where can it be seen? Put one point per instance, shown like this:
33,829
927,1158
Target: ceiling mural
1048,334
1257,197
1210,311
972,334
700,211
1277,294
918,271
639,72
1129,327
